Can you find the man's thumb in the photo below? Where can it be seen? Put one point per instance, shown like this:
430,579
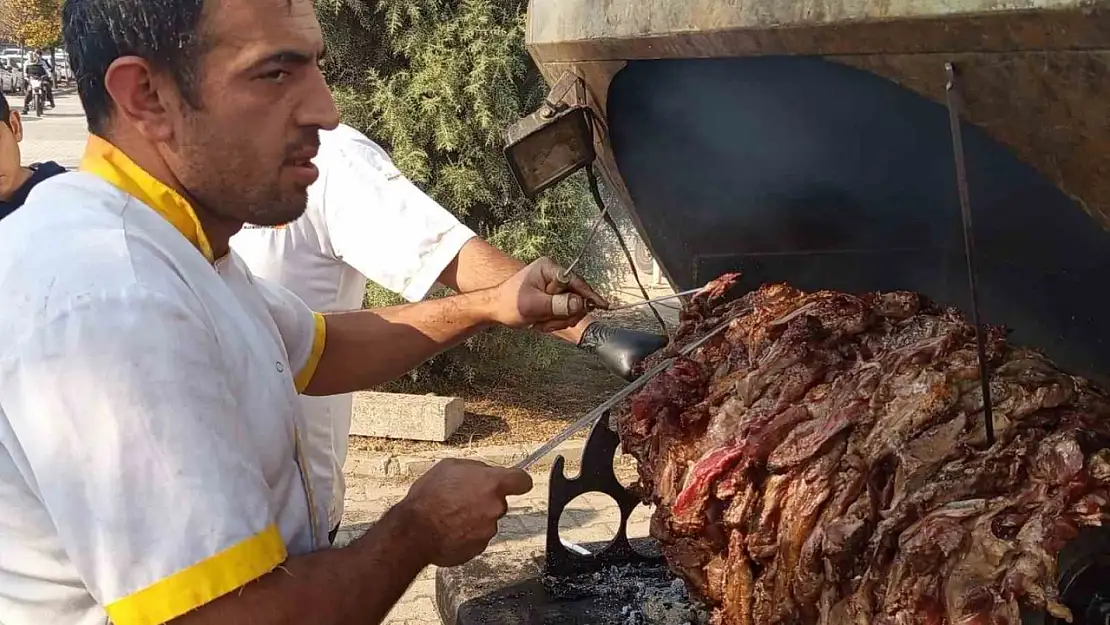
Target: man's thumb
514,482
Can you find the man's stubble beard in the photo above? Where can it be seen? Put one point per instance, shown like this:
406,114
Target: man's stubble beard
218,178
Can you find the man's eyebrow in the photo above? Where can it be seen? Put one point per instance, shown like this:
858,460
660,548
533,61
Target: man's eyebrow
292,57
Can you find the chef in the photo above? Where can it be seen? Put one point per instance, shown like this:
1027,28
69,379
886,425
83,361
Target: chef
152,449
366,220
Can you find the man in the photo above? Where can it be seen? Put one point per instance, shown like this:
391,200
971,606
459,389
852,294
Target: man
366,220
151,445
38,67
16,181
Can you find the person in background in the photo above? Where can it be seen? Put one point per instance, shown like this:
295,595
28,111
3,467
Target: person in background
38,67
16,181
46,60
365,220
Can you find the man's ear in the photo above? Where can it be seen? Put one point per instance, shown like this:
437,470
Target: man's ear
16,124
135,91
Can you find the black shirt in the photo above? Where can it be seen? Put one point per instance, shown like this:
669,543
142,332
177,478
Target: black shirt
38,70
39,172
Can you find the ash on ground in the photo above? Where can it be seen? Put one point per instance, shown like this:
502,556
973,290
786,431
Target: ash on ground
643,594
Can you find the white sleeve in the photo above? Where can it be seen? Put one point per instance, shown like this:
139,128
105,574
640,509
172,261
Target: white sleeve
303,331
133,442
385,227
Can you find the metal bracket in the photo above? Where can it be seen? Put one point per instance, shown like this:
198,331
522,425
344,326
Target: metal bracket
568,92
596,476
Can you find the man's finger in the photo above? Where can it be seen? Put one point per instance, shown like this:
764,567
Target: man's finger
559,324
513,482
555,278
579,286
556,282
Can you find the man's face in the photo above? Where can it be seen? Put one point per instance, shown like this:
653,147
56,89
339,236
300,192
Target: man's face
11,172
245,155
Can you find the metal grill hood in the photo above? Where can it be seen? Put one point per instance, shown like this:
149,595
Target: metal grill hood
808,142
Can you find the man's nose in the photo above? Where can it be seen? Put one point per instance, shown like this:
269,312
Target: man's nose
319,109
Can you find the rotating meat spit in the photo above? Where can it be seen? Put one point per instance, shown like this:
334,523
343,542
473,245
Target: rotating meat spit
566,587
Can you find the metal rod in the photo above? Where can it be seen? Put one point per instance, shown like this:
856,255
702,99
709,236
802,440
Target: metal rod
565,277
953,93
595,191
654,300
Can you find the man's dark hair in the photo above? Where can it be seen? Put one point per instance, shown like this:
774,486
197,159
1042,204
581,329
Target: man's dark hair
5,111
165,33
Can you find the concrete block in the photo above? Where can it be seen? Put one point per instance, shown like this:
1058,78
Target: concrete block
411,417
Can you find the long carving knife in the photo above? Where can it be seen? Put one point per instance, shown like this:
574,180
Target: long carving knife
608,404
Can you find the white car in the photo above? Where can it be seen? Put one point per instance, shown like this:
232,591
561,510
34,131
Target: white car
11,79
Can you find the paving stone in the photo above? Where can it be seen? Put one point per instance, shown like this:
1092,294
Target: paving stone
421,588
533,523
60,135
516,544
511,526
418,609
413,417
595,533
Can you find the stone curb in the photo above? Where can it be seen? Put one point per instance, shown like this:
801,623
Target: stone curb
411,466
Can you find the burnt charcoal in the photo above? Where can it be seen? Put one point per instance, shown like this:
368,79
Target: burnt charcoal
823,460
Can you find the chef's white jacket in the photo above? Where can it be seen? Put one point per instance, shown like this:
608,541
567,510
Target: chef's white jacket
151,443
364,221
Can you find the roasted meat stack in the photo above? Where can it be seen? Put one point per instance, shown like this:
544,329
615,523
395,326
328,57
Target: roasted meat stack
824,460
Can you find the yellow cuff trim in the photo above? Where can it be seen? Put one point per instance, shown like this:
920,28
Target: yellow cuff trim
201,583
304,376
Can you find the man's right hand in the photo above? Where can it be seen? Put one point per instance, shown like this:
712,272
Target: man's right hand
454,508
539,297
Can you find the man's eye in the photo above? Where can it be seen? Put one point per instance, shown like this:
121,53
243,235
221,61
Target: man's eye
278,75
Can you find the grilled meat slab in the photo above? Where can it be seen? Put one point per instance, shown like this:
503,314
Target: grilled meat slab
824,460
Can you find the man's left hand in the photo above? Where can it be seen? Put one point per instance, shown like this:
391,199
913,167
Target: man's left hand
538,297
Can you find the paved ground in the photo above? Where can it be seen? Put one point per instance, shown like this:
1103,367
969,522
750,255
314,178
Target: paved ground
59,136
592,517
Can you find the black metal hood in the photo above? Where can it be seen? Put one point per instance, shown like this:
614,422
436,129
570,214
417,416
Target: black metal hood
807,171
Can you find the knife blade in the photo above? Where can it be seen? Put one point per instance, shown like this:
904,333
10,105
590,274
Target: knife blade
608,404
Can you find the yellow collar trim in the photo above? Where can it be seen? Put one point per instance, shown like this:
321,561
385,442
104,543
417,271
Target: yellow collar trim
108,162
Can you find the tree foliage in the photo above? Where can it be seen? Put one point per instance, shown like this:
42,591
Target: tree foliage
33,23
436,82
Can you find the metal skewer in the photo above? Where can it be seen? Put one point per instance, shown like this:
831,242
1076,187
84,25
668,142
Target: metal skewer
596,413
955,104
653,300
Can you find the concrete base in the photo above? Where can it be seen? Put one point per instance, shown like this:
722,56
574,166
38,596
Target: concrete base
411,417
